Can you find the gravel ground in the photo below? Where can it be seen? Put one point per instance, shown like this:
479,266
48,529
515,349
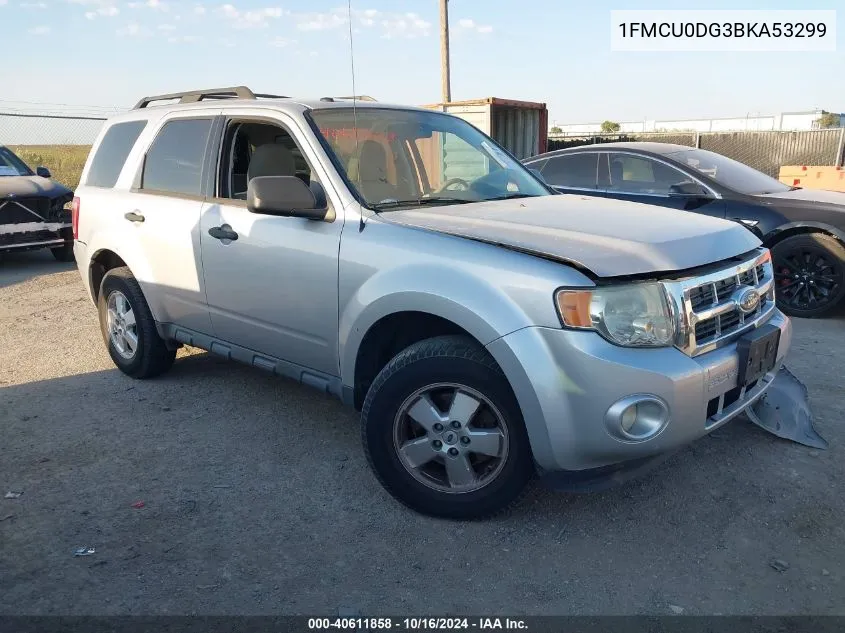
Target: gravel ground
258,500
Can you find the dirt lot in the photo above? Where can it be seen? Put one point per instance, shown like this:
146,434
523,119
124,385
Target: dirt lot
258,499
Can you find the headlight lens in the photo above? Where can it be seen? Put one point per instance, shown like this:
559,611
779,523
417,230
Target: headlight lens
635,315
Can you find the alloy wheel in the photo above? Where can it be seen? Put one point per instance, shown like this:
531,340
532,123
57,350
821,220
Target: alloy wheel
123,330
451,438
806,278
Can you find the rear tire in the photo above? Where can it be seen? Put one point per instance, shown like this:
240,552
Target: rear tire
128,327
809,274
477,462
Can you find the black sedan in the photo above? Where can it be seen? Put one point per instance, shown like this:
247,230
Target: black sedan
804,228
33,211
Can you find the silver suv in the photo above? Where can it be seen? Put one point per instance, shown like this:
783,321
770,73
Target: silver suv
487,328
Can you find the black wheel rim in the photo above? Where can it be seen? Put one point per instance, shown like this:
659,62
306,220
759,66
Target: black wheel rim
807,278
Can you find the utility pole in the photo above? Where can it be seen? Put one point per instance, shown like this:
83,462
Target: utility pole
446,89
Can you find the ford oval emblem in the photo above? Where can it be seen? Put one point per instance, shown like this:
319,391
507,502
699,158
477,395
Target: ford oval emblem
748,300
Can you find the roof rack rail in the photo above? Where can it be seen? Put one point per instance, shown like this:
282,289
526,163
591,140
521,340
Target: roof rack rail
194,96
351,98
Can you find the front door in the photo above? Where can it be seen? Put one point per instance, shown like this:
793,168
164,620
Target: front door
642,179
273,289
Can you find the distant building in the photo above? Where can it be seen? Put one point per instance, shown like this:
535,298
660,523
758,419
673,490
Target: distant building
785,121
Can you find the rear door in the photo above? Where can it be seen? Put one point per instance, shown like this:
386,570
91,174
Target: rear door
572,173
164,217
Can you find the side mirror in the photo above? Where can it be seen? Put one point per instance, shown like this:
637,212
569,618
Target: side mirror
43,172
689,190
286,196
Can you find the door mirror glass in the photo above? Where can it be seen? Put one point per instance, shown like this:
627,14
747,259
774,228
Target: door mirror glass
43,172
286,196
689,189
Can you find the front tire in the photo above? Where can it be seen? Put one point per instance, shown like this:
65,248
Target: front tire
443,431
128,327
809,274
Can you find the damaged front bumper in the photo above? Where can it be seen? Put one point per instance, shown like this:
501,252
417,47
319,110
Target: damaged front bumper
23,236
784,410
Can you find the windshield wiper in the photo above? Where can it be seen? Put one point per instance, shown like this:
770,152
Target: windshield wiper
513,196
418,202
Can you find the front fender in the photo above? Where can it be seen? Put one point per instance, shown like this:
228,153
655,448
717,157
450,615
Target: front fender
796,227
459,296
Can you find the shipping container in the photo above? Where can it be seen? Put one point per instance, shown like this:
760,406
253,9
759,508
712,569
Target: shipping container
521,127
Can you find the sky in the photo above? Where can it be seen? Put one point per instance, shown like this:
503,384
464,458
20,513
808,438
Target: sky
87,55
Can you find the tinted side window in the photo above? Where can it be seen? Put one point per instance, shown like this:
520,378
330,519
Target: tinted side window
577,170
112,152
638,174
174,160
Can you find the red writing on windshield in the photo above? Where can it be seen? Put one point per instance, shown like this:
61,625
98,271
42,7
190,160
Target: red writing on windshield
345,133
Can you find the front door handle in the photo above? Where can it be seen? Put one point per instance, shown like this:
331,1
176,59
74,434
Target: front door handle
223,232
134,216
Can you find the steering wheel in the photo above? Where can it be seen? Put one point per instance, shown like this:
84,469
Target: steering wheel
454,181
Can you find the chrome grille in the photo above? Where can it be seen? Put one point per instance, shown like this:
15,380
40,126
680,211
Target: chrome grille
708,310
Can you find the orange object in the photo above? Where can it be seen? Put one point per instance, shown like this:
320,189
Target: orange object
828,177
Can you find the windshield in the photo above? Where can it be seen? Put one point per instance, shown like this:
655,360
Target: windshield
11,165
730,173
401,158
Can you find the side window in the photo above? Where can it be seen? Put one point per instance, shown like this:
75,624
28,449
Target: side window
112,152
537,165
638,174
575,170
174,161
256,148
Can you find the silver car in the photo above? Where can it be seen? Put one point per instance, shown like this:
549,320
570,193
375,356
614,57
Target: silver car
401,260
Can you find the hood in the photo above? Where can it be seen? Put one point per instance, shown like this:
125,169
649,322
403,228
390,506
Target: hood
608,237
819,196
30,186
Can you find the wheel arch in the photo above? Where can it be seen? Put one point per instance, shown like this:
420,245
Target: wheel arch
102,262
798,228
388,336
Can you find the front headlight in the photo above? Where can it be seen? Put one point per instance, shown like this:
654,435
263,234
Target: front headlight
634,315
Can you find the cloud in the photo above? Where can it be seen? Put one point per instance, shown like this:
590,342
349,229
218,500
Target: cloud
200,10
183,39
2,2
469,25
97,8
254,19
104,11
39,30
281,42
30,5
166,27
133,29
321,21
155,5
391,24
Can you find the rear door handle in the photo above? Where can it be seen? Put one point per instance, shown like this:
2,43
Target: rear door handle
134,216
223,232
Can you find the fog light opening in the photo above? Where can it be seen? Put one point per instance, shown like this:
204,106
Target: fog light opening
637,418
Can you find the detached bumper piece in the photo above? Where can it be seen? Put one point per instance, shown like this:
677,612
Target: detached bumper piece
784,410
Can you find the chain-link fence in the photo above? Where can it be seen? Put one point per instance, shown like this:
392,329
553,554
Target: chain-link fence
58,142
766,151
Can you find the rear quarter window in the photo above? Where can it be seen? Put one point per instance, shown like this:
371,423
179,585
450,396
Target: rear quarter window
112,152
